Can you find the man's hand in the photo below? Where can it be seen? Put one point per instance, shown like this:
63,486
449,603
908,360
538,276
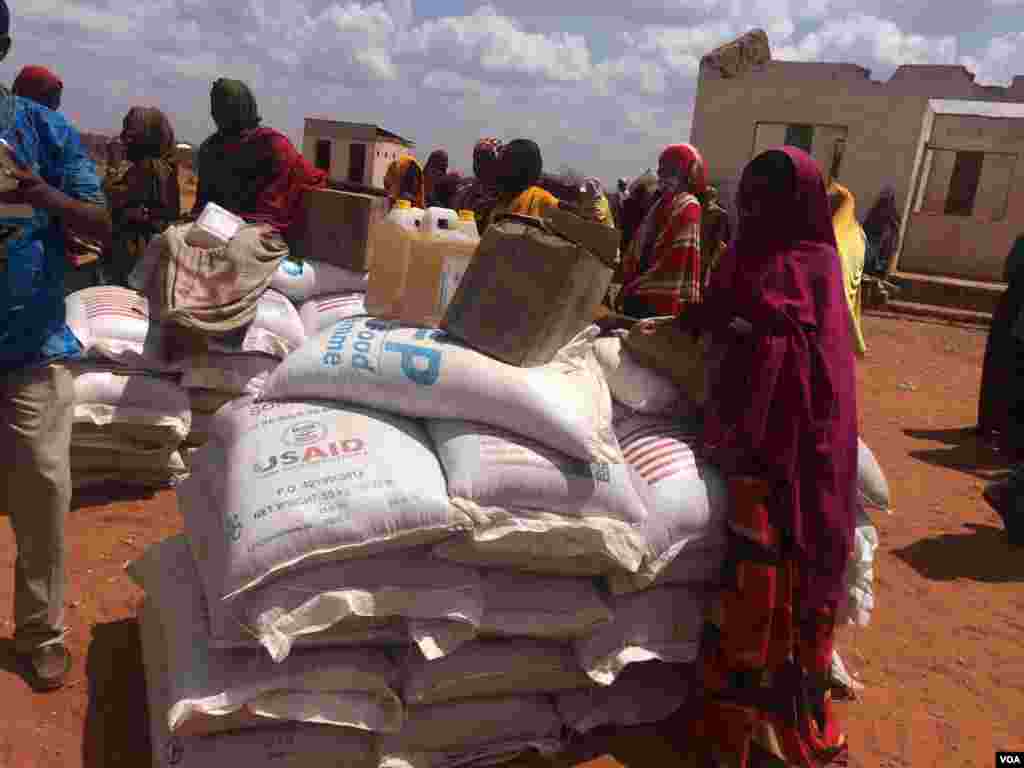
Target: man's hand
32,189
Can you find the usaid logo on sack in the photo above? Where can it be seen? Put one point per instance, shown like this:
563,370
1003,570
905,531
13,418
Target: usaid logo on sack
304,433
308,441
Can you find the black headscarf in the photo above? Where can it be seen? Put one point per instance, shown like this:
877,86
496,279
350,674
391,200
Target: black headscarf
233,107
519,167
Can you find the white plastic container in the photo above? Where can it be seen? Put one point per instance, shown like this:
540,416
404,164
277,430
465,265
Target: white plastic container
214,228
457,260
439,259
392,252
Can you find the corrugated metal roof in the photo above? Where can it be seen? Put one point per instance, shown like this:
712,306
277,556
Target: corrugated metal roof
1011,109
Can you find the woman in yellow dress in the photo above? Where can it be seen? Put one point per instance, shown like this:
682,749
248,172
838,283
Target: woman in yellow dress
519,169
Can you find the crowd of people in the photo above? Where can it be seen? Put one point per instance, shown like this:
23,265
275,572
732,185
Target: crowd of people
773,298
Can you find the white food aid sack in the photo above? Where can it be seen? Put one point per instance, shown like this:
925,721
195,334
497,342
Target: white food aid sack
871,482
534,508
289,744
113,323
302,281
638,388
685,528
436,605
281,485
276,330
860,574
662,624
643,694
570,607
425,374
487,668
114,408
324,311
473,732
214,691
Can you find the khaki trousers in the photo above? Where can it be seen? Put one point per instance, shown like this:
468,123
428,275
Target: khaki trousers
36,407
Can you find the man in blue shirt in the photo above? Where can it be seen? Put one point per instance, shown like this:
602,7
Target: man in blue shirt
56,178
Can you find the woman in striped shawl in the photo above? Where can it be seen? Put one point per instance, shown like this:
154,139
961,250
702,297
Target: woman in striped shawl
662,267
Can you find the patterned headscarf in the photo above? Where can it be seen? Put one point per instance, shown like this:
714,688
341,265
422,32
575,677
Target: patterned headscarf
688,159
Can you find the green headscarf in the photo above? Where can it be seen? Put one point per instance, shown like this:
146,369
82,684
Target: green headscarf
233,107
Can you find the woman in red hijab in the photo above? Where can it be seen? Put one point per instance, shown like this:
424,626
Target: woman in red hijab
782,426
661,270
40,85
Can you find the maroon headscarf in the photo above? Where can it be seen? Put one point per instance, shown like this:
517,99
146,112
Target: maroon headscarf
40,85
785,407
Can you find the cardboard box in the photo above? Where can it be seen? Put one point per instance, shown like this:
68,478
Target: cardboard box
338,228
527,292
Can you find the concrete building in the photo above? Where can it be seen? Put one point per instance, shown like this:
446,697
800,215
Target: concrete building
354,152
949,146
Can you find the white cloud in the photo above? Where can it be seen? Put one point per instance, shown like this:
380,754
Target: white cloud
869,39
630,72
353,43
999,61
601,86
681,48
498,45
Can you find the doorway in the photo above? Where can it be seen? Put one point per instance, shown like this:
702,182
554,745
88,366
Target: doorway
323,155
356,163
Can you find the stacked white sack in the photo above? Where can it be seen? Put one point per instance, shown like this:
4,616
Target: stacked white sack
643,694
540,607
387,599
326,311
113,325
425,374
535,509
473,733
635,387
662,624
213,691
685,526
484,669
223,373
283,487
128,427
309,279
280,743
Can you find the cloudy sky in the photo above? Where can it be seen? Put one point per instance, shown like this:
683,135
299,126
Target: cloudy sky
600,85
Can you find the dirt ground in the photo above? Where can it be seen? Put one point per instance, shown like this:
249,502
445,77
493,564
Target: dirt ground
943,661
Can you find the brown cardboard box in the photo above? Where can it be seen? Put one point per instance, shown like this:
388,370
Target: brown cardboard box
526,293
338,226
601,240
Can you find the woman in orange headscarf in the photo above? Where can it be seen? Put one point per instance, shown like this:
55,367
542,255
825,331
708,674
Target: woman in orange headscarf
404,181
662,267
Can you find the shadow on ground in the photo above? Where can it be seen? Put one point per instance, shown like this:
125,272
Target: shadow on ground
985,554
967,452
116,724
108,494
9,662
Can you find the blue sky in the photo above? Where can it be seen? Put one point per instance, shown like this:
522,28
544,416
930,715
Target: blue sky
600,85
